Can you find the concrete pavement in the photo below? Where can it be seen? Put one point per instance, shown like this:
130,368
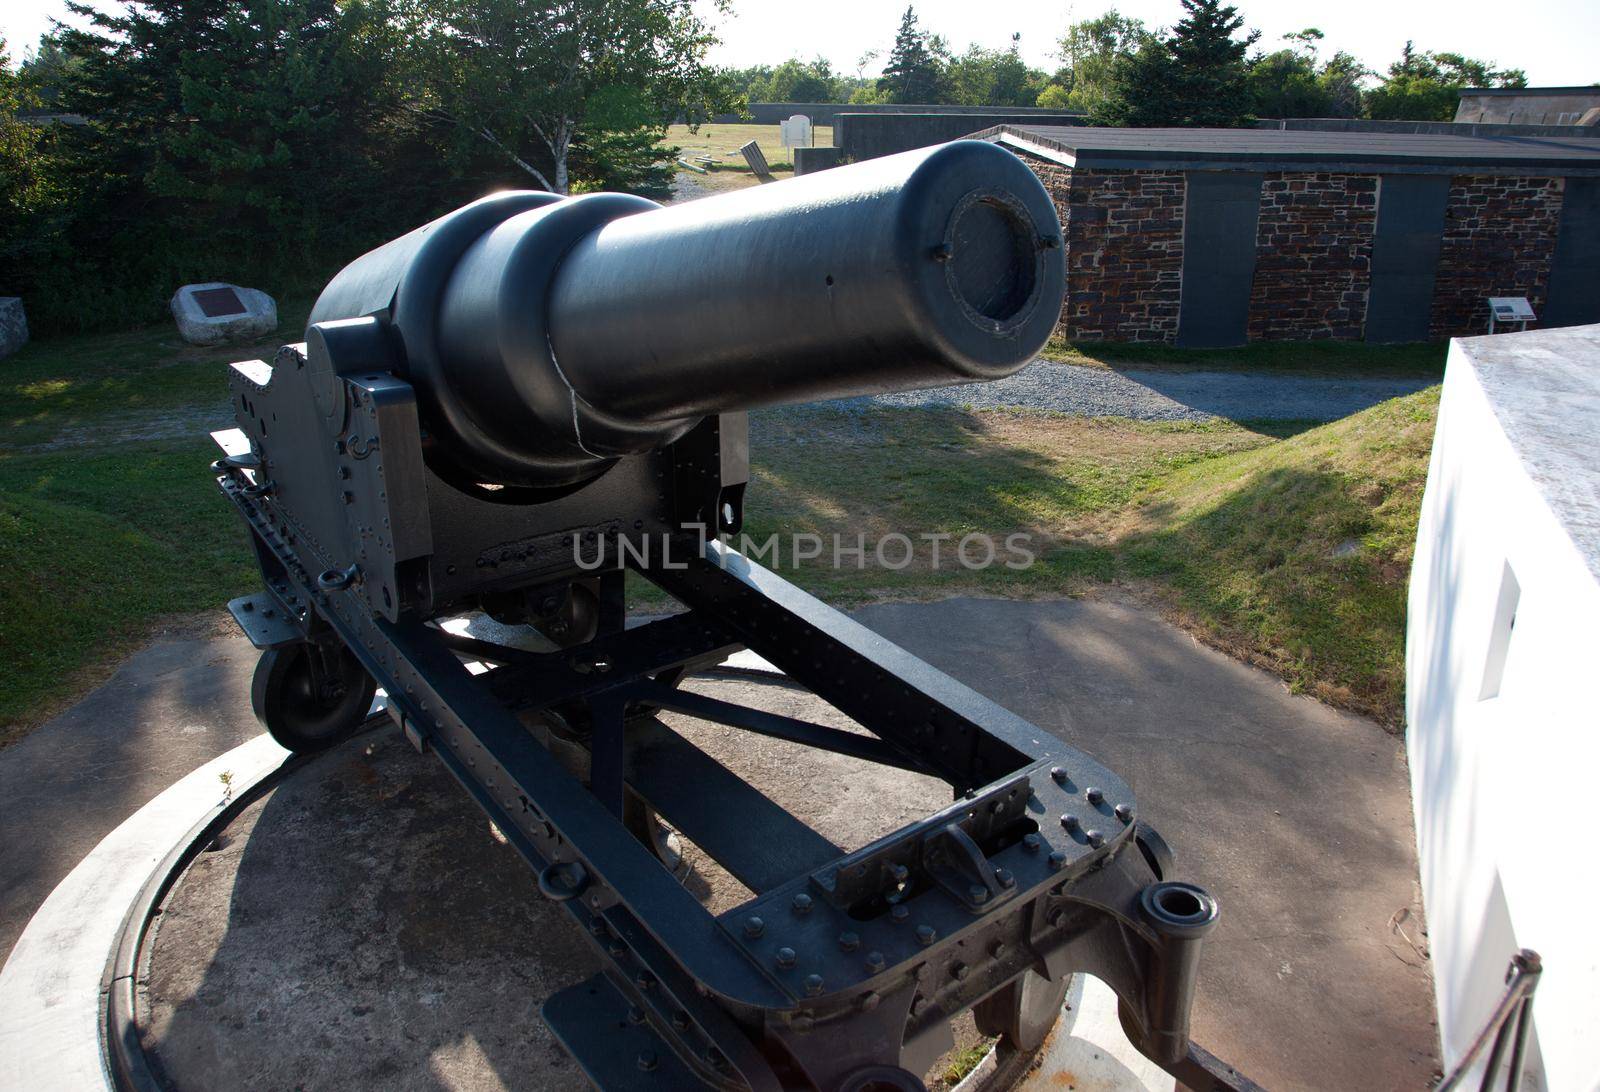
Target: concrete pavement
1295,815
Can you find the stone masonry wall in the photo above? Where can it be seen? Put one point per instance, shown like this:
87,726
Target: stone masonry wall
1124,232
1313,256
1499,240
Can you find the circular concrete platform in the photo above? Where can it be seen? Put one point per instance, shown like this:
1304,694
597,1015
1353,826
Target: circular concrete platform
362,925
365,926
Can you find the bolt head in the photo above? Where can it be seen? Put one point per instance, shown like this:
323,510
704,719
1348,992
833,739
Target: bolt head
960,971
754,926
1058,774
647,1060
926,935
802,903
1005,877
1125,813
997,949
849,942
786,957
1032,842
900,913
1069,822
978,893
1093,795
1096,839
876,962
1058,861
635,1014
813,984
870,1000
899,872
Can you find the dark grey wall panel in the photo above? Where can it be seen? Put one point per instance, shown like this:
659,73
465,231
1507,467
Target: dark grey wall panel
1219,257
867,136
1405,255
1574,296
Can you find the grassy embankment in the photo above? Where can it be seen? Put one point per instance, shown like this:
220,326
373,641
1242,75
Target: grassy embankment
1286,547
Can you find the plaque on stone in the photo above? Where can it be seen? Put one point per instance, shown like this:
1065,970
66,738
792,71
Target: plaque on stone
217,302
209,314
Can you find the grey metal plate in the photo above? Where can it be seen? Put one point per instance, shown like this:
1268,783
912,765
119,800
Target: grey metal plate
1405,253
591,1020
263,620
1219,257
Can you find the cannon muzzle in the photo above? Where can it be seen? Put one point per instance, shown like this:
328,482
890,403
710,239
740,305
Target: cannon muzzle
547,336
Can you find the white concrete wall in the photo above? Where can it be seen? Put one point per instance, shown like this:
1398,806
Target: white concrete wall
1502,704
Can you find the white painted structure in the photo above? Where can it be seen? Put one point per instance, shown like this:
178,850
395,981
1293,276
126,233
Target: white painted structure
1502,654
795,132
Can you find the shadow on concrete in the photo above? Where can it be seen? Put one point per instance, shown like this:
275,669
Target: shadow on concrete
170,708
363,927
1296,816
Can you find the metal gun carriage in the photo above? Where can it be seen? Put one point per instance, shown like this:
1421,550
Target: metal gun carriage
484,407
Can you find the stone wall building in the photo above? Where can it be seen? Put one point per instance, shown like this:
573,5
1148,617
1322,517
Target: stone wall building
1529,105
1215,237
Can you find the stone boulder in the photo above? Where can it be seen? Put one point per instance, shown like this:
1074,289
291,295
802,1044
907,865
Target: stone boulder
13,326
215,312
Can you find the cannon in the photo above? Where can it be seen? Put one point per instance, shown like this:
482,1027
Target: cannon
512,408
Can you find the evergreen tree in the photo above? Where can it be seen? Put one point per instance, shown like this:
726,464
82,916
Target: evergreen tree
913,73
1195,76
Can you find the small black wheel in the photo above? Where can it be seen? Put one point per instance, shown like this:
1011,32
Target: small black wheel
1021,1015
310,697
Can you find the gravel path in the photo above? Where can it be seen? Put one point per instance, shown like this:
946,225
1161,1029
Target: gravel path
1160,395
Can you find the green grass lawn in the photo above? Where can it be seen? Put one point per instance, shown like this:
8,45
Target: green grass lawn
1287,546
724,141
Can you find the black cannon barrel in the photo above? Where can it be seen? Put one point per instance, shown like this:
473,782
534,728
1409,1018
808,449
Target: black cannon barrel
547,336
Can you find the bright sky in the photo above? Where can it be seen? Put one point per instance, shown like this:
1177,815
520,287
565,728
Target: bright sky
1555,41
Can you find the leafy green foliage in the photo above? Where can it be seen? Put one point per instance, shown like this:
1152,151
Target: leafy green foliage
1426,86
1090,50
1290,83
532,79
994,77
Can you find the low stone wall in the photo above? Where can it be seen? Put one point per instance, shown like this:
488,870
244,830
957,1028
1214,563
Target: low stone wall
1313,256
1499,240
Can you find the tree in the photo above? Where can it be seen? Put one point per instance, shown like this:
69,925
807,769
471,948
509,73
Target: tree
1089,51
994,77
1426,86
1341,78
533,79
1195,76
798,81
45,68
29,193
913,73
1290,83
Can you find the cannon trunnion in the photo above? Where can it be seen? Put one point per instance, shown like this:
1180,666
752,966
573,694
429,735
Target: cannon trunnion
507,410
